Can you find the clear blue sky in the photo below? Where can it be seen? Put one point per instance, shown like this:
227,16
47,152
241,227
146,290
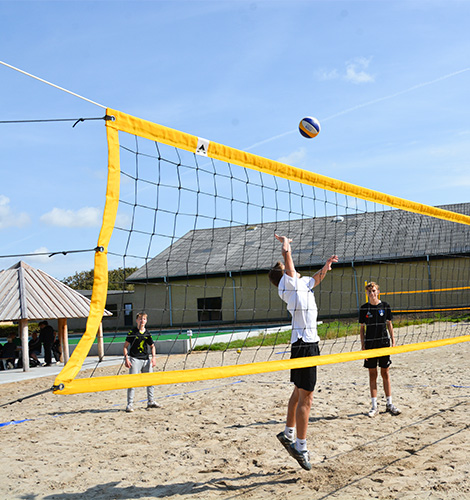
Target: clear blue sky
388,80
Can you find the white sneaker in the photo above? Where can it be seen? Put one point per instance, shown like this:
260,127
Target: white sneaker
391,408
373,411
153,404
129,409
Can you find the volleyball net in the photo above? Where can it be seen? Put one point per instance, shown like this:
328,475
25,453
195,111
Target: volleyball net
196,220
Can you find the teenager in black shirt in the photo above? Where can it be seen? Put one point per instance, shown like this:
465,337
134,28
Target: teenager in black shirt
136,357
376,331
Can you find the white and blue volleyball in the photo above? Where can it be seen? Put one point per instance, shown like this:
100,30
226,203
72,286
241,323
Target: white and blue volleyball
309,127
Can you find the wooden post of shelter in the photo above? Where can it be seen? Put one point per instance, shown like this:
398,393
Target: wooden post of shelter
100,342
23,330
64,339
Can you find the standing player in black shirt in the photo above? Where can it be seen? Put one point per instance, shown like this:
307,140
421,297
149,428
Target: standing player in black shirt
136,357
376,331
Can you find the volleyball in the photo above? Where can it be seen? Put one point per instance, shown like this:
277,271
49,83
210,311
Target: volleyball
309,127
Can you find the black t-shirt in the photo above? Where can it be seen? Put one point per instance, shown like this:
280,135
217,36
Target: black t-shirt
139,343
9,350
47,334
375,318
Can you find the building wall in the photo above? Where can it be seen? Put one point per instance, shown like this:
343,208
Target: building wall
252,298
115,303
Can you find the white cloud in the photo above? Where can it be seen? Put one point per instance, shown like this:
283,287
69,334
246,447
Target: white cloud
84,217
40,258
8,218
355,71
295,158
328,75
123,220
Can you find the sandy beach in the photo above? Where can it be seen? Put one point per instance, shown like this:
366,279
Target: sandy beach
217,439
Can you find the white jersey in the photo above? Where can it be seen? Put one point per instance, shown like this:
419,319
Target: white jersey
297,293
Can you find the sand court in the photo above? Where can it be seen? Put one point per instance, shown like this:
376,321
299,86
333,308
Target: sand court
217,439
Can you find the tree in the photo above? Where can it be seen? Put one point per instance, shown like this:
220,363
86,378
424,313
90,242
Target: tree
80,281
116,279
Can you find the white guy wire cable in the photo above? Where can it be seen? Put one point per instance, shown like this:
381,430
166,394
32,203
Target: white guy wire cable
51,84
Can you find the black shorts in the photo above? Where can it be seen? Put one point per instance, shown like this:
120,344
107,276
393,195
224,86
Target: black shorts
383,362
304,378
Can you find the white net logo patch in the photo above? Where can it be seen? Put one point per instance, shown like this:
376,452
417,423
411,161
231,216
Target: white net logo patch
202,146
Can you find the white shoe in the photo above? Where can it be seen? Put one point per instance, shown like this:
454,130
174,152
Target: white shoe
153,404
373,411
391,408
129,409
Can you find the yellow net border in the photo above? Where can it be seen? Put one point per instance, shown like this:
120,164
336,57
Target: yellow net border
66,383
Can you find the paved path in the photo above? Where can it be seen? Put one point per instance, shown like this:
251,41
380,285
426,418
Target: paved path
17,374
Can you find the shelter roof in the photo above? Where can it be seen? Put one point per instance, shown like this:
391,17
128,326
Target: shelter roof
29,293
378,235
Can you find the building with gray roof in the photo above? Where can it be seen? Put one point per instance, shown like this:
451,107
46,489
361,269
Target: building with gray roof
220,274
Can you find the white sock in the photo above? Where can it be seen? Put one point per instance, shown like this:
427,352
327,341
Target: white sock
301,444
389,400
374,402
289,432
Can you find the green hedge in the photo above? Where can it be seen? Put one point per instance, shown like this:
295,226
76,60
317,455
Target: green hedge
6,330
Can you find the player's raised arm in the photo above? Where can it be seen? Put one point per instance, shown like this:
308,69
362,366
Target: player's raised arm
287,255
319,275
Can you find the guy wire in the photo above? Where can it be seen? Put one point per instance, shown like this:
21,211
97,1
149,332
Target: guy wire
51,84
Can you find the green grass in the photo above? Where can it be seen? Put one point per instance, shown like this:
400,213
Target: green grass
437,318
332,330
326,331
261,339
337,329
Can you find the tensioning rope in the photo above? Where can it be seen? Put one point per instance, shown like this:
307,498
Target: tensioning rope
53,388
51,254
51,84
48,120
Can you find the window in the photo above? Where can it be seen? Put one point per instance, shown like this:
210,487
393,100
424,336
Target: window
127,314
209,309
112,308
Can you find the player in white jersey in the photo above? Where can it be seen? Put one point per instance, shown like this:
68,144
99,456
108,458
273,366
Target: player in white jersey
297,292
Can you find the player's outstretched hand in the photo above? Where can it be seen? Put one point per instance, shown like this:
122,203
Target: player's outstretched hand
331,260
283,239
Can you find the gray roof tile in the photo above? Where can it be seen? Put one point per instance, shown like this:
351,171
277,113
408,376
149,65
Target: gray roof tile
381,235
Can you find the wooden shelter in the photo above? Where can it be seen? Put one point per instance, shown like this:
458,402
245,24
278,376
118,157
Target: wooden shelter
28,294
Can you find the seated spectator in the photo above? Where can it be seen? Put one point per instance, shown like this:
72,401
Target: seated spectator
16,340
57,349
35,346
9,352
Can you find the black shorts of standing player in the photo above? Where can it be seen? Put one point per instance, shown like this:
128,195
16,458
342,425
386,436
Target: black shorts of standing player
382,361
304,378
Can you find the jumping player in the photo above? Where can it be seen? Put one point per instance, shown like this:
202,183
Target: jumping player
297,292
